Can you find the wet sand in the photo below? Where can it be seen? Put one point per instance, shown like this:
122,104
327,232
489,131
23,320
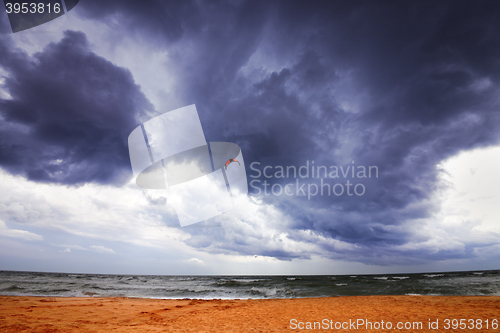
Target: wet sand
57,314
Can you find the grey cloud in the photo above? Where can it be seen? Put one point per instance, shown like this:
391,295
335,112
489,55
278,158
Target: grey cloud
162,19
426,79
423,78
69,115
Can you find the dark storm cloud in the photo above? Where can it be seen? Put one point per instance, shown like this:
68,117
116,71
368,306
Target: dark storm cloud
426,77
5,24
69,114
163,19
280,79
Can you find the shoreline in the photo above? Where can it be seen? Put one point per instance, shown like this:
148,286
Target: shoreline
126,314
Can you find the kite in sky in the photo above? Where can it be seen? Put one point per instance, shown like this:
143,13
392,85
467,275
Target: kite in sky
229,161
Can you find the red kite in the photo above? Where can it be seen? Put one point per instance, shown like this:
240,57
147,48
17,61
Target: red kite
229,161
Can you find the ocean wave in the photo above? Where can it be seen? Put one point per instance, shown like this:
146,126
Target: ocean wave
247,280
62,290
12,287
269,292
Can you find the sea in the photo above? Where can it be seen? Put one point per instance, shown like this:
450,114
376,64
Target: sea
480,283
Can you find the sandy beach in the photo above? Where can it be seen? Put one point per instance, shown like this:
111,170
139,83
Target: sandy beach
342,314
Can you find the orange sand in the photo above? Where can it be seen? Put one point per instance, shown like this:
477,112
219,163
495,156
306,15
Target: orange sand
43,314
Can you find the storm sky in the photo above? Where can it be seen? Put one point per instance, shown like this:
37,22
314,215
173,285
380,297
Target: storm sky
409,87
